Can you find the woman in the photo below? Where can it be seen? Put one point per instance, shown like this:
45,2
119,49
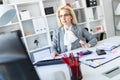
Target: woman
69,36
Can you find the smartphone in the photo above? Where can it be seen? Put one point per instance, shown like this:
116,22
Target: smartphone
100,52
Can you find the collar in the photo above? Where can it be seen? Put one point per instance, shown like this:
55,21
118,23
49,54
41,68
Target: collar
66,29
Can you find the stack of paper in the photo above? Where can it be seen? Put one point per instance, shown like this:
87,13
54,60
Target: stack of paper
108,46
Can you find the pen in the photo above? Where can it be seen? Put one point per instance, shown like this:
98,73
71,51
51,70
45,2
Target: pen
94,59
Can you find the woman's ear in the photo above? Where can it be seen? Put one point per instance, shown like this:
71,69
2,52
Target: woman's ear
71,17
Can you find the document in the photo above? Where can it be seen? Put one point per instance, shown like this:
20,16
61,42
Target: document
108,46
42,55
94,60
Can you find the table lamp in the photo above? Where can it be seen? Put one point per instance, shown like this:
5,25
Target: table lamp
7,13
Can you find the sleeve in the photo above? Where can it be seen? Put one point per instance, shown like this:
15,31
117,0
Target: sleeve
54,41
91,39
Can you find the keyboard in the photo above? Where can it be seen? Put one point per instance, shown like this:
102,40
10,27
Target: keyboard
49,62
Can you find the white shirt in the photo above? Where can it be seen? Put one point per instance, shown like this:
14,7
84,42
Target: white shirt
69,38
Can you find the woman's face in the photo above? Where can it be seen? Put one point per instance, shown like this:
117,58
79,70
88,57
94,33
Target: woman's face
65,17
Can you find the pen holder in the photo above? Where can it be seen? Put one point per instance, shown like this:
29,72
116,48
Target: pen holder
76,73
73,64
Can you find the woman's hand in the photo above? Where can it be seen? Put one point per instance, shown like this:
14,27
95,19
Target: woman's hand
54,54
84,44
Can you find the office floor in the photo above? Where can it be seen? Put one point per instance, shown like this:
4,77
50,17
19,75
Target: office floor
18,70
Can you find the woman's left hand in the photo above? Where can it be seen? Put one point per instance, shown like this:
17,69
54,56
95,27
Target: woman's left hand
84,44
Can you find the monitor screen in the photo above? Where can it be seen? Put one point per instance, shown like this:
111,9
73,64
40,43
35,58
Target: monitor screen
11,46
14,57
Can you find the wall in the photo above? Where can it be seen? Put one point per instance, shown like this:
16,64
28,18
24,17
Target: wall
109,17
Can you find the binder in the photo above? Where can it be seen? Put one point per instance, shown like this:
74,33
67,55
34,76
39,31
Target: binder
90,15
39,25
99,12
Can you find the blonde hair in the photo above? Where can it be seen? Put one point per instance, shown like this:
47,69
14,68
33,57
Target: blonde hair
74,20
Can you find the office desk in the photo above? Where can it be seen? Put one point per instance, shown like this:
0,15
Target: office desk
88,72
97,73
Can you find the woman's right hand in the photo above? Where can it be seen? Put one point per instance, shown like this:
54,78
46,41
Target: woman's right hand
54,54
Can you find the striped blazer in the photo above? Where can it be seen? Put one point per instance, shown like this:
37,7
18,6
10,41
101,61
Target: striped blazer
81,33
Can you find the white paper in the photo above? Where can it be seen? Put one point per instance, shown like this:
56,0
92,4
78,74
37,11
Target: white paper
25,15
95,63
42,55
108,46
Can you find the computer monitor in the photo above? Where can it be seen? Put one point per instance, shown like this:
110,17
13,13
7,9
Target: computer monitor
15,59
11,47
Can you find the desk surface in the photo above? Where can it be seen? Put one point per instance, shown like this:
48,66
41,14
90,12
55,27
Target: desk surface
88,72
97,73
